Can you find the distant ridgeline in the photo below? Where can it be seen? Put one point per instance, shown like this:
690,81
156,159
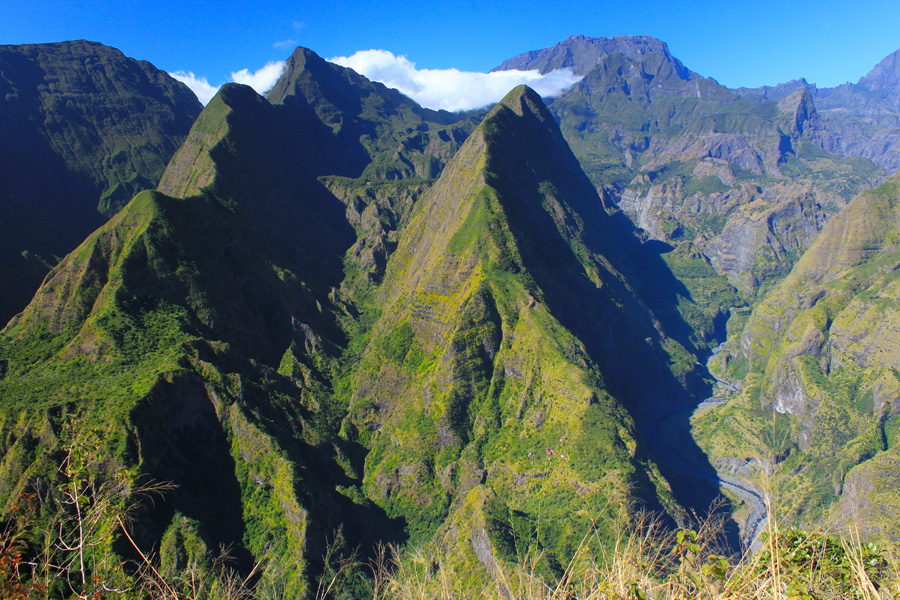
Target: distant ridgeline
340,315
748,176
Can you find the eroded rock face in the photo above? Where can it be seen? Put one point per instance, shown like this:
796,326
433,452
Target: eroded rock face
869,499
689,160
762,237
749,234
377,212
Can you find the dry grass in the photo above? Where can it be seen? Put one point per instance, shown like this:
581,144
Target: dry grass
649,561
646,560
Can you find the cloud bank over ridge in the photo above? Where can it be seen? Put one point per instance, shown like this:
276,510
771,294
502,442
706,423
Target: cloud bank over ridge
199,85
261,80
451,89
447,89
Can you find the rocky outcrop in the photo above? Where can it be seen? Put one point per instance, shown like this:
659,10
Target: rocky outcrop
803,120
583,54
682,156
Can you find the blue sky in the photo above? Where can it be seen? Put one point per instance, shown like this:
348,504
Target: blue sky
748,43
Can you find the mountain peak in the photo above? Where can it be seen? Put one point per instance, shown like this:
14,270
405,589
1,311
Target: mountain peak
502,269
532,128
85,128
582,54
301,60
885,74
308,75
633,46
522,99
782,90
802,109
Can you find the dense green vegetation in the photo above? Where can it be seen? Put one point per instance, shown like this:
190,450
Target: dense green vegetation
819,349
345,320
469,382
707,305
212,362
279,392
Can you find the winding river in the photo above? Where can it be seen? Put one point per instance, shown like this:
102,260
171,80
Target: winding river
674,454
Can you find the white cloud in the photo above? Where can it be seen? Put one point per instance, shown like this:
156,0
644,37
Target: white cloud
199,85
261,80
451,89
289,43
448,89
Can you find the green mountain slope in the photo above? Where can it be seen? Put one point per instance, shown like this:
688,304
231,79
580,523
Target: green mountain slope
84,130
493,389
818,360
302,294
120,343
195,338
197,335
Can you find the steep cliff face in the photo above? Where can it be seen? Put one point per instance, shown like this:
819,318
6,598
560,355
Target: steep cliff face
821,350
296,298
505,346
198,335
84,130
766,233
687,159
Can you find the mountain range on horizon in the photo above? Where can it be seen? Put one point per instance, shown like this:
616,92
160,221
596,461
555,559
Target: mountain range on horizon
330,309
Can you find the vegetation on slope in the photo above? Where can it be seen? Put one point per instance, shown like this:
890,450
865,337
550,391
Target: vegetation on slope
820,352
198,338
460,362
490,391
